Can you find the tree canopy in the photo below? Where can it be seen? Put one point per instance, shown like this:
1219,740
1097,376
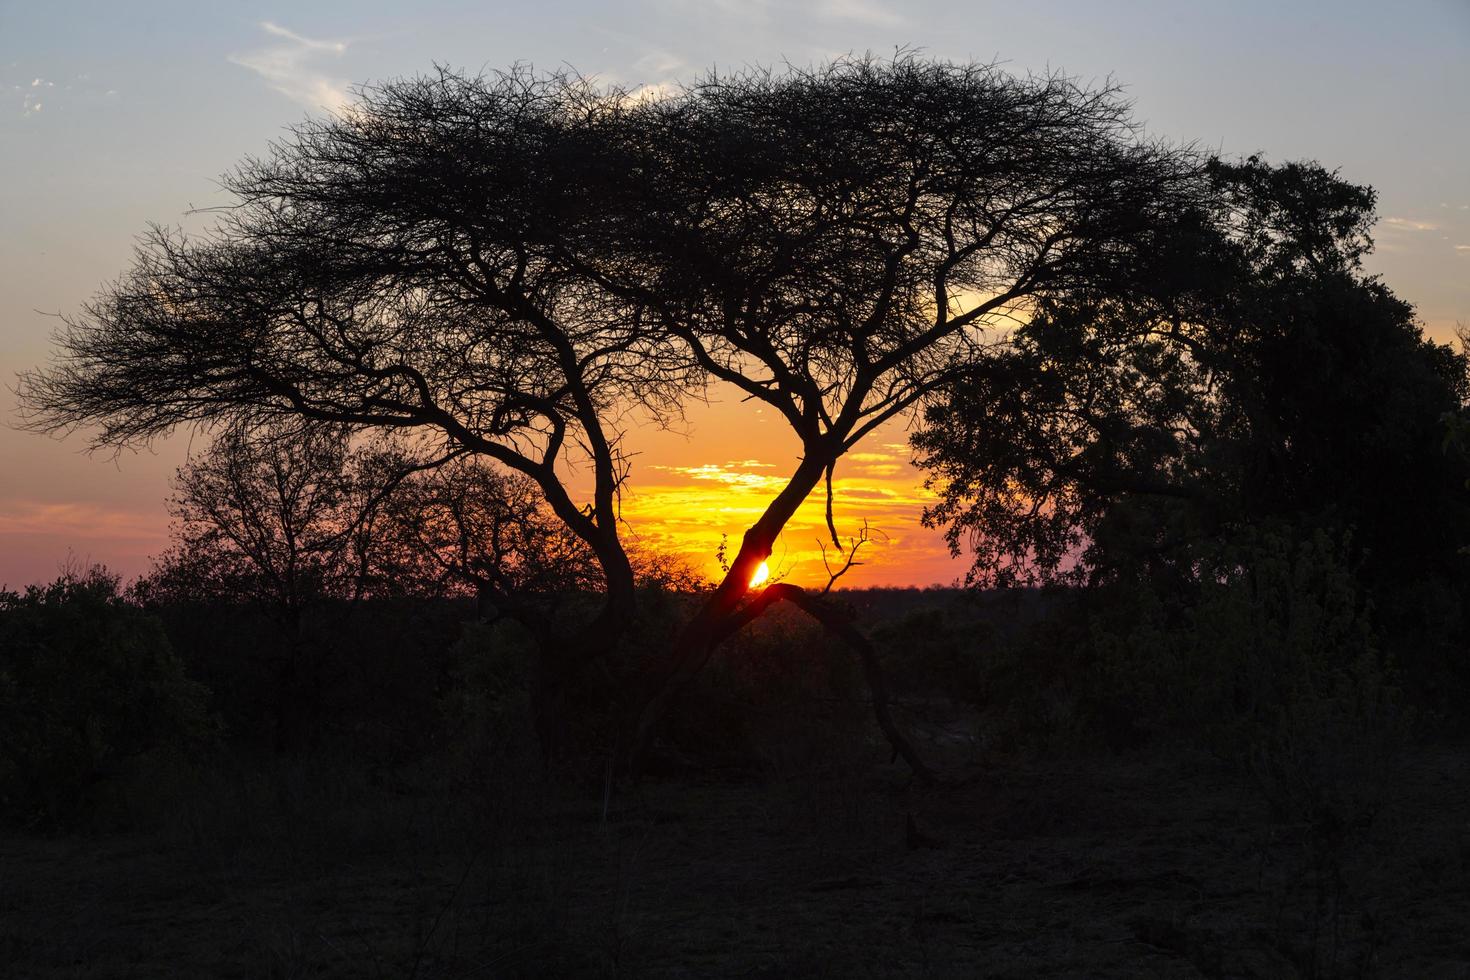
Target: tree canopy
1252,372
521,266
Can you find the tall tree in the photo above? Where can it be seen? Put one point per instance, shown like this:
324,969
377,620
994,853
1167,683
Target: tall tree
1250,372
838,243
520,266
401,267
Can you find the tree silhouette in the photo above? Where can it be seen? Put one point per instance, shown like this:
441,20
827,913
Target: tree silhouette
838,243
290,519
403,267
278,517
520,267
1251,372
464,526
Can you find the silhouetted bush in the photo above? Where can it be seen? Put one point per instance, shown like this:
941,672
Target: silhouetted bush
366,677
1273,622
88,683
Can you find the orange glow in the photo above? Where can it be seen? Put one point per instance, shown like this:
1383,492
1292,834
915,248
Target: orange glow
712,477
705,479
761,575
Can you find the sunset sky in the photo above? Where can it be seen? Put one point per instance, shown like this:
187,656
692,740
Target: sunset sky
113,115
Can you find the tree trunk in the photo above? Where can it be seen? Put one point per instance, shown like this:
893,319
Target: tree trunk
696,642
560,659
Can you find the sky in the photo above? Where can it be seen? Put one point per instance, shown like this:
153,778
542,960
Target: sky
116,115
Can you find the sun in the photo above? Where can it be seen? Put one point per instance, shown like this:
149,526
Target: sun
760,576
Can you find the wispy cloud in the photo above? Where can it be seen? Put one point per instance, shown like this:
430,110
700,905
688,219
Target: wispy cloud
1408,224
733,474
653,92
659,62
292,65
37,94
655,72
92,521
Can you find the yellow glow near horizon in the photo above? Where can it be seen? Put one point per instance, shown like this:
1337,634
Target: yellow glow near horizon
761,575
711,477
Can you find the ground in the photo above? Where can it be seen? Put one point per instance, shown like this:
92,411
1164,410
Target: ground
1159,865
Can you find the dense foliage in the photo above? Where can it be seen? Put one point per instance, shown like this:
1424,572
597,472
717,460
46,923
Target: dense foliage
1252,373
87,684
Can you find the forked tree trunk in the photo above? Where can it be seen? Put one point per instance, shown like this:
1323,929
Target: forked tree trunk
696,642
722,616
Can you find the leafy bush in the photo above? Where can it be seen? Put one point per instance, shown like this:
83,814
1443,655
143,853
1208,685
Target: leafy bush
1268,658
87,683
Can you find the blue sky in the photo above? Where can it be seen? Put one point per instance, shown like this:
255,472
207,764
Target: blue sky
116,114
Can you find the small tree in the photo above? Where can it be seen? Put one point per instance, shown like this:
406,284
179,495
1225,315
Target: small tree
273,517
289,520
464,526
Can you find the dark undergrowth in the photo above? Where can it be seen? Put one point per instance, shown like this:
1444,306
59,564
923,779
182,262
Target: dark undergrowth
1234,782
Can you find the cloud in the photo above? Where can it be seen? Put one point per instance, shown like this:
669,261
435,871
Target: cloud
19,517
653,92
869,493
732,474
291,67
32,95
659,62
37,94
862,11
1408,224
654,74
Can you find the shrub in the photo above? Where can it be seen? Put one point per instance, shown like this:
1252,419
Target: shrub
1268,658
87,683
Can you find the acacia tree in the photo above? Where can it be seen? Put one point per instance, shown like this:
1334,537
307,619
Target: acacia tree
399,268
517,266
839,244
